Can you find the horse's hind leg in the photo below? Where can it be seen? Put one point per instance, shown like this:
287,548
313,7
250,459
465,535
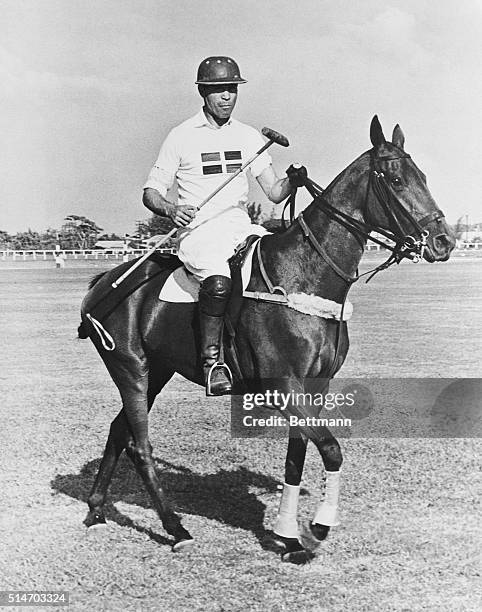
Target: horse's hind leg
119,436
139,450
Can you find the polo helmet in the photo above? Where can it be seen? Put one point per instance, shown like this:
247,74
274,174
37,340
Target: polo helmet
217,70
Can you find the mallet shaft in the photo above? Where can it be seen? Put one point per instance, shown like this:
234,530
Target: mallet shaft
140,261
235,174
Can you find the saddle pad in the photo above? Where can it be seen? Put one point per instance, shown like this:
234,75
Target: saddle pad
183,287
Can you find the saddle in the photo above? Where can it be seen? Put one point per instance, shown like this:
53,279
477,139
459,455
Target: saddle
177,285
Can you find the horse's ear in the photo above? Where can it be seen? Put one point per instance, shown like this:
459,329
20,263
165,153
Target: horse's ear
376,132
398,139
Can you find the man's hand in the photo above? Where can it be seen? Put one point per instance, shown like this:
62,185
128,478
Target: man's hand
182,215
297,175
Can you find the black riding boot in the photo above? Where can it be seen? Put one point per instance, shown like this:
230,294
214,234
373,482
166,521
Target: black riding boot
213,298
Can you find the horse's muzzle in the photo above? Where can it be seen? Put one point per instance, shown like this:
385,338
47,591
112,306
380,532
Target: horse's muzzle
439,247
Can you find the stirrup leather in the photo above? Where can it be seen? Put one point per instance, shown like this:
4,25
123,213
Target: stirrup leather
215,365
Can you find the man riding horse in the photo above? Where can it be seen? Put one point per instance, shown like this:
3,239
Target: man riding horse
199,154
144,341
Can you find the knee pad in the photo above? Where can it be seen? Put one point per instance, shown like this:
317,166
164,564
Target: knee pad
214,294
216,286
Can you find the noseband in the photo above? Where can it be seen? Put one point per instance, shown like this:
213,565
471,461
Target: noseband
408,246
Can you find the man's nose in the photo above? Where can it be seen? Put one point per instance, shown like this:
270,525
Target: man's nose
226,95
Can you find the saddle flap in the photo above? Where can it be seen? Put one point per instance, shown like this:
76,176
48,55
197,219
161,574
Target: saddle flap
180,287
183,287
240,275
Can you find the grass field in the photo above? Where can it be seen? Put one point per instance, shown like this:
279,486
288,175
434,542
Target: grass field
410,534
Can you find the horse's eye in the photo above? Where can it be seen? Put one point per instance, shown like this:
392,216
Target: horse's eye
396,182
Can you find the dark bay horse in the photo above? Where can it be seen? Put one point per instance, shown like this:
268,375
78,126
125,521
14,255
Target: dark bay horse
318,255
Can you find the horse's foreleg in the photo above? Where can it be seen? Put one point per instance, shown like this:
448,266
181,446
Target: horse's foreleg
326,515
119,436
286,522
287,536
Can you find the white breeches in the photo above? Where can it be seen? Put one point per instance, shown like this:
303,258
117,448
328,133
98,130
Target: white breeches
205,250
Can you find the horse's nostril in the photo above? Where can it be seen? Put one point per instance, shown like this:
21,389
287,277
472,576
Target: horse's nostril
442,241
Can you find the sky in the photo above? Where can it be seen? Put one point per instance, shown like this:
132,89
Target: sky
90,88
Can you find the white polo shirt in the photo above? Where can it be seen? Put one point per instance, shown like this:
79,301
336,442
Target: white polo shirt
200,157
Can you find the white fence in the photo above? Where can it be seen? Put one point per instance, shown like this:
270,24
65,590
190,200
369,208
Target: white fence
462,246
49,254
128,254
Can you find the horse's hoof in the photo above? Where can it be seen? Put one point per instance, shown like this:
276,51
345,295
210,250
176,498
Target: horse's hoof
94,518
275,543
319,531
279,544
313,535
181,545
290,549
298,557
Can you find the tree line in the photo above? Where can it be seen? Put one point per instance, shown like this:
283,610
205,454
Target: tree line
79,232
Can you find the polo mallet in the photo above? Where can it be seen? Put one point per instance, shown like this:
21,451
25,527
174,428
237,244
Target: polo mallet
273,137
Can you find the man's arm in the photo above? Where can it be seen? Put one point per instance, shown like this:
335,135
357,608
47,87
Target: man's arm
275,188
161,178
156,203
278,189
159,205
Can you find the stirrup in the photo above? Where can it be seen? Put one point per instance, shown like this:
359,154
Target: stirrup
215,366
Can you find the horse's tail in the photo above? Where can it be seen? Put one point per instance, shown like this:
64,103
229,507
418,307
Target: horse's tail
82,332
83,329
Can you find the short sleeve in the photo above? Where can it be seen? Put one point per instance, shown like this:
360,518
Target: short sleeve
264,160
163,173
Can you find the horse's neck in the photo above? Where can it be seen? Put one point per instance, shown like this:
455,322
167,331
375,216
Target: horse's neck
296,263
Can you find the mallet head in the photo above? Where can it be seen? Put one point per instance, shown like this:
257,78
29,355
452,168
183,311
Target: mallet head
275,137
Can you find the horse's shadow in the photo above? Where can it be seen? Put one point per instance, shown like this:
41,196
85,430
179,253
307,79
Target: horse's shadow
228,496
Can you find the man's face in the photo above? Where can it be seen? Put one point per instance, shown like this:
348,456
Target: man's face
220,100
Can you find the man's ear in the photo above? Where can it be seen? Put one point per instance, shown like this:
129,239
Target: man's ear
376,132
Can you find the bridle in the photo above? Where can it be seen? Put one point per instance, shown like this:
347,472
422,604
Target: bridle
409,246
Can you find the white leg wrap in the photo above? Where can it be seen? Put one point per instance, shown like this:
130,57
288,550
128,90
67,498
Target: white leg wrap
286,524
327,512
